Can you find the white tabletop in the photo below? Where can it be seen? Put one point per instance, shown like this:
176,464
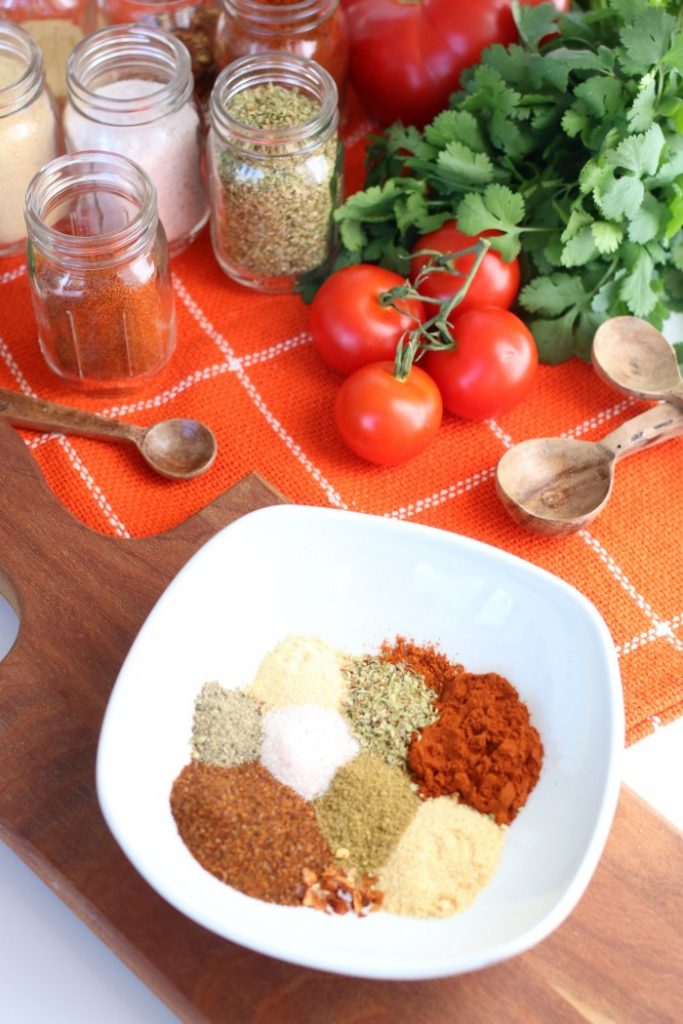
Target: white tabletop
54,970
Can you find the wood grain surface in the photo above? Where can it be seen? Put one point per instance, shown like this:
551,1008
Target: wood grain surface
81,598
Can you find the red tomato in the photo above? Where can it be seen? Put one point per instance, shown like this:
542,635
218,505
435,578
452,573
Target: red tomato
385,420
406,57
496,283
491,368
350,326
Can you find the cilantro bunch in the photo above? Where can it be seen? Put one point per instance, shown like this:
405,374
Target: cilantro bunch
570,145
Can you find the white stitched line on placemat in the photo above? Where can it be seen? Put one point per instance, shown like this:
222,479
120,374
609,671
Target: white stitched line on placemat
439,497
195,311
665,631
12,275
164,397
95,490
277,349
499,433
13,368
662,628
600,418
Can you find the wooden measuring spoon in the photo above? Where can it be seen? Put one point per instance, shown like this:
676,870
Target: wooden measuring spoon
556,485
177,448
632,356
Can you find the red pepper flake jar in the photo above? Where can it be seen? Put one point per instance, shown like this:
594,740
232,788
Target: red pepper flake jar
316,29
99,272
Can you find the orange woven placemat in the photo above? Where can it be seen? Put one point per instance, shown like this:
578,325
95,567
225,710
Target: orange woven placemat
245,365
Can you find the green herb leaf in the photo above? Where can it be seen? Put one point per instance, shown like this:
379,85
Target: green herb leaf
580,249
553,295
646,41
467,166
607,236
636,290
554,338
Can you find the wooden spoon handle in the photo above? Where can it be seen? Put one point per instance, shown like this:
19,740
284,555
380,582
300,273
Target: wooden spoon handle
38,414
658,424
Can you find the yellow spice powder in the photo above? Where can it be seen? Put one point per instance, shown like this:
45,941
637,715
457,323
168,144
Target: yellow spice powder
300,670
446,856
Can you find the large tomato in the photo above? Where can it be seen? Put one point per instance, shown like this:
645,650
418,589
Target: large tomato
386,420
349,323
406,55
496,282
491,368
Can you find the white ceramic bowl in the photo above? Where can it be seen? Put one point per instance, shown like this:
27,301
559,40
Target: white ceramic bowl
356,580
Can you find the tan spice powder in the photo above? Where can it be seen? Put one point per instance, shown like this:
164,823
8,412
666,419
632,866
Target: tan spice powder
446,856
300,670
365,811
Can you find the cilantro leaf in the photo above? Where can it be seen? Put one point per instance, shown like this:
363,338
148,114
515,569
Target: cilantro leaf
467,166
646,41
640,114
639,153
636,290
553,294
620,197
554,338
647,222
607,236
580,249
455,126
674,55
534,23
499,209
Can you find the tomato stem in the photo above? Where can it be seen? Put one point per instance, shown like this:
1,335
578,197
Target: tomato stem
435,332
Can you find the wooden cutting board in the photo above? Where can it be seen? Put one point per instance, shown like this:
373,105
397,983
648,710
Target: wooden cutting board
81,598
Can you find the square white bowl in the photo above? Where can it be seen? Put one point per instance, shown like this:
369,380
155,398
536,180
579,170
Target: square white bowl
355,580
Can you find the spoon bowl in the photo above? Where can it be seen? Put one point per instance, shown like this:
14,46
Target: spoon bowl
632,356
554,485
557,485
178,448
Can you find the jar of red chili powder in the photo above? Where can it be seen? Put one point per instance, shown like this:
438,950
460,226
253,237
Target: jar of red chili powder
316,29
99,272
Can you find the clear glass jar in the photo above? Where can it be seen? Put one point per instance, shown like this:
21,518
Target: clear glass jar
28,129
275,170
193,22
130,91
57,26
316,29
99,272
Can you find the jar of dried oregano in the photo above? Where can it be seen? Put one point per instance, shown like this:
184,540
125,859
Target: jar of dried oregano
99,272
275,170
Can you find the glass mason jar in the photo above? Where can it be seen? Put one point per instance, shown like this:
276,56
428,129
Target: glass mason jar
99,272
28,129
275,170
193,22
57,26
316,29
130,91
